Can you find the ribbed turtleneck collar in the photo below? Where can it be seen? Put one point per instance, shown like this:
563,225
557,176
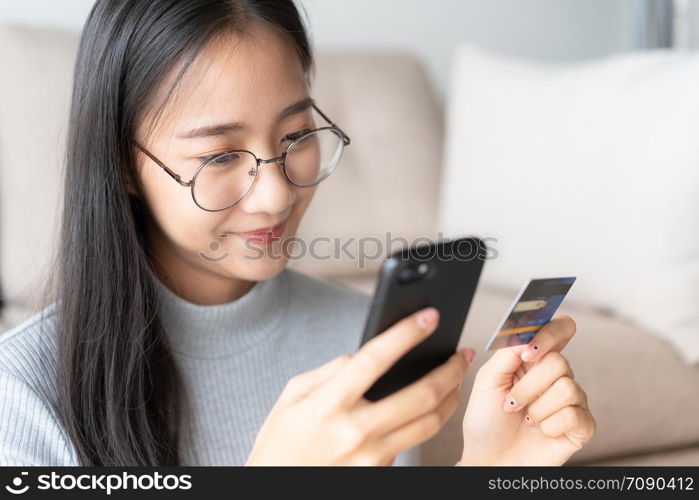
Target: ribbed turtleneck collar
213,331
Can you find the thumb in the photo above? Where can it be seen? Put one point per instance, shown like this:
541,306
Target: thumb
466,354
499,370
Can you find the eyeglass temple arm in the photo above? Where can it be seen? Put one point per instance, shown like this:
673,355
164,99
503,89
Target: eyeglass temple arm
345,137
172,174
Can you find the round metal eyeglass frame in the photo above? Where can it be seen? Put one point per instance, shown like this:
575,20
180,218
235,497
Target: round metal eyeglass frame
259,161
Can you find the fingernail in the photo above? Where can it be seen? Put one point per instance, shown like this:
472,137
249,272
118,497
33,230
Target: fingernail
469,354
427,317
510,403
530,352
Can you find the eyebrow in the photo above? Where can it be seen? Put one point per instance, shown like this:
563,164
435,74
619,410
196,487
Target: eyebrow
223,128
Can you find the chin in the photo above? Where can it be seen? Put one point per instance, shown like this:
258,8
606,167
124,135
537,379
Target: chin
256,270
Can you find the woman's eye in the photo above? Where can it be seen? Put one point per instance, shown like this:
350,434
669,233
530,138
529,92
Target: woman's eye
296,135
221,160
225,159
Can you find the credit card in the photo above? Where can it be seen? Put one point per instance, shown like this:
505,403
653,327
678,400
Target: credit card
533,307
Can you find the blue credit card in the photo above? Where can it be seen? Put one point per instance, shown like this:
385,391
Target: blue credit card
533,307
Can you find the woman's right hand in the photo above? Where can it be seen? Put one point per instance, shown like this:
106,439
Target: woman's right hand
322,418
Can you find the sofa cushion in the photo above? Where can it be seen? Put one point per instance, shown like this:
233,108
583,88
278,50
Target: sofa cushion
34,99
678,458
386,187
588,169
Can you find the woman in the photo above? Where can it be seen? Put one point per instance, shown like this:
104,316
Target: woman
175,337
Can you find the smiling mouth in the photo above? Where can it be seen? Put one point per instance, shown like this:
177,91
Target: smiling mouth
264,235
264,230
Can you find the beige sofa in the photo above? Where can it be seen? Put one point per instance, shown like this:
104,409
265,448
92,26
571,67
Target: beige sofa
644,398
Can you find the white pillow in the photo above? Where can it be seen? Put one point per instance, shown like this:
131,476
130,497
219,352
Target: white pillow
588,169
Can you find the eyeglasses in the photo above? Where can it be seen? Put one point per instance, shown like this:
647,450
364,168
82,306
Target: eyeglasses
224,179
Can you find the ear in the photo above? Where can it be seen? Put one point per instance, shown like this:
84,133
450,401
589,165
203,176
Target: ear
130,184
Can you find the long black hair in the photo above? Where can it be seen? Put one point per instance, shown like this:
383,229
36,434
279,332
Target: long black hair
120,393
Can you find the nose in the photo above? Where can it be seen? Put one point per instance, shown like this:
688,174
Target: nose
271,192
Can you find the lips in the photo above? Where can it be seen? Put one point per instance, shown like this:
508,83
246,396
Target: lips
264,234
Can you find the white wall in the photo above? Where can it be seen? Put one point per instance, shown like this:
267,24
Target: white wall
545,29
63,13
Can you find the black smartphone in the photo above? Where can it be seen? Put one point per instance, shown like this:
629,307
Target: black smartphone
443,274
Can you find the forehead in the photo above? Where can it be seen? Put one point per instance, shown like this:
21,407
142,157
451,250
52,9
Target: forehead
234,78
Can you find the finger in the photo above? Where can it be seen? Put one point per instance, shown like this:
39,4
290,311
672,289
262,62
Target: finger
499,370
375,357
517,375
576,423
563,392
554,335
537,381
419,398
422,428
302,384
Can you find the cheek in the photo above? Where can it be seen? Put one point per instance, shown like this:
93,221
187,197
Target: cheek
175,213
303,197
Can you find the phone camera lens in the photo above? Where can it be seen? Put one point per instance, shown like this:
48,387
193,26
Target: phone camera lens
405,274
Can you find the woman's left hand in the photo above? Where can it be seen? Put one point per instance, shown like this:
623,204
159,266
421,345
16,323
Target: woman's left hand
525,407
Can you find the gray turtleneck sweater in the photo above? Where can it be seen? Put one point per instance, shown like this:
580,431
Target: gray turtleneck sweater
235,359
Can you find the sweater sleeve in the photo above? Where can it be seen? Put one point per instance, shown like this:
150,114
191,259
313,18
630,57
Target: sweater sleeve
30,433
